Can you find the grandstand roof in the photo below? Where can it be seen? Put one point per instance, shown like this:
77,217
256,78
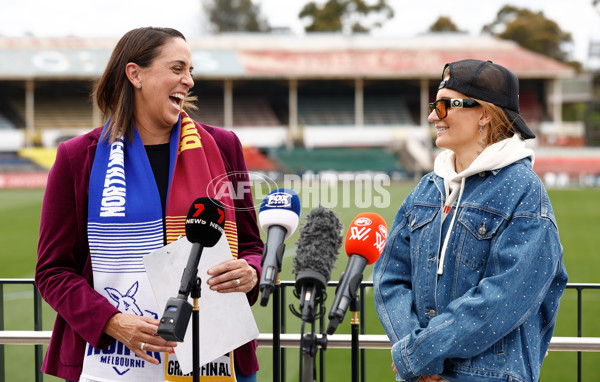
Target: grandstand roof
284,56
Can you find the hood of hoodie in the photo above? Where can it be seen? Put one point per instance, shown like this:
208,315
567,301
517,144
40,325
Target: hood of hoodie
494,157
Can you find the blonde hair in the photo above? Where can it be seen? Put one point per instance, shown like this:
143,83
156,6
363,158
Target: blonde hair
500,127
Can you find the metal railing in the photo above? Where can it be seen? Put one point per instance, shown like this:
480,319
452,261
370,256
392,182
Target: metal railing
292,340
38,337
578,344
37,325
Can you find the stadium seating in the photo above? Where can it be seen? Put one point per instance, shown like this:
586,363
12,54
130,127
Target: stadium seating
5,123
11,162
257,161
326,110
43,157
339,110
12,108
210,111
253,111
387,110
530,107
65,112
248,111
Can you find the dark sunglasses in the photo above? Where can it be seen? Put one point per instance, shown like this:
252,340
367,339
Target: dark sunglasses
442,105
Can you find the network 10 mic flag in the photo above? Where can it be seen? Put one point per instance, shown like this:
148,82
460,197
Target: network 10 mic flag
203,228
278,216
364,244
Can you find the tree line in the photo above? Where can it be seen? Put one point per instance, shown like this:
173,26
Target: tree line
532,30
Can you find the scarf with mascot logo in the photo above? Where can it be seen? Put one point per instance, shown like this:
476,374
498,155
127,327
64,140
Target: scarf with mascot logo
125,223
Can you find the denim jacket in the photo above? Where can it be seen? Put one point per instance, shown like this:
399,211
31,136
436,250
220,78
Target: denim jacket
490,315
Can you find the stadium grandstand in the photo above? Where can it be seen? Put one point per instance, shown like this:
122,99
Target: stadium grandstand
298,103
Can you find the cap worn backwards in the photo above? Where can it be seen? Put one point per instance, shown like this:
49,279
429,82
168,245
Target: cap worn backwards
487,82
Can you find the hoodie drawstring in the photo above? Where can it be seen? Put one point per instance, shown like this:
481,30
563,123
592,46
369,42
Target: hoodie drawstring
447,238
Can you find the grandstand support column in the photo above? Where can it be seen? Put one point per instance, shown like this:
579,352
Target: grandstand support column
294,131
424,110
29,113
557,101
359,101
96,113
228,104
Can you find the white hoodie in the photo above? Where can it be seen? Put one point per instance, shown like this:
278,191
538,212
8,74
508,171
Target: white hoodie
494,157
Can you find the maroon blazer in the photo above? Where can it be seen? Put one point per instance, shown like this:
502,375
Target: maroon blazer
64,270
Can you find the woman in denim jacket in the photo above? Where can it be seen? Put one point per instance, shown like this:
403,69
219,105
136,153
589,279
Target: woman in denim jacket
469,283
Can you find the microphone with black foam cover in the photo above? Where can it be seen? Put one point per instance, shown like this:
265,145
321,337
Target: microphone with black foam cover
203,228
364,244
316,253
278,216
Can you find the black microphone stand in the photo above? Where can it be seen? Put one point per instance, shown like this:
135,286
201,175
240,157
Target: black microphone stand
309,344
354,325
266,287
174,322
195,293
312,295
276,331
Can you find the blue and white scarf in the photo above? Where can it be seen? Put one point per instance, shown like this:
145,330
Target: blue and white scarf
125,223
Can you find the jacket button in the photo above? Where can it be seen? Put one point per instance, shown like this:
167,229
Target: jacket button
482,229
431,313
482,174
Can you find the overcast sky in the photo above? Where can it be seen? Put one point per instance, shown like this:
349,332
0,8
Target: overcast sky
112,18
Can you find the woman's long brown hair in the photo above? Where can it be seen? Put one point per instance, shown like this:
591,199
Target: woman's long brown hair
114,91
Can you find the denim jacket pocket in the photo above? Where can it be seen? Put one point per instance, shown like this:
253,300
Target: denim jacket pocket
480,227
420,216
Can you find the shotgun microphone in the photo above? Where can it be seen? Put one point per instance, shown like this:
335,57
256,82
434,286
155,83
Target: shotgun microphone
316,253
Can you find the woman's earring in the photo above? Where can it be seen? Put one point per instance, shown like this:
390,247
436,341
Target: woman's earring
480,128
139,85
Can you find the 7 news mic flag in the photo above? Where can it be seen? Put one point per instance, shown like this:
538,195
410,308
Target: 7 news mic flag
203,228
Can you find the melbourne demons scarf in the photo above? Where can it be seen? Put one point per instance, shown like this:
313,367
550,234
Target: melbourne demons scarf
125,223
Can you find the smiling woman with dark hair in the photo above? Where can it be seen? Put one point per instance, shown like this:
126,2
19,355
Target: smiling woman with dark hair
123,191
469,283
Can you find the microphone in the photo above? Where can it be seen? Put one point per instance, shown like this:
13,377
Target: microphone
203,228
316,253
279,216
364,244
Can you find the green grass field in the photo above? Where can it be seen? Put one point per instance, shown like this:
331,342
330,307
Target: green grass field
578,216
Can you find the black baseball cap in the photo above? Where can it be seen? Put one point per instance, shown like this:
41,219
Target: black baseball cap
487,82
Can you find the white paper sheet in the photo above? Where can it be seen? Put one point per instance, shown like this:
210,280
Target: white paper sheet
226,320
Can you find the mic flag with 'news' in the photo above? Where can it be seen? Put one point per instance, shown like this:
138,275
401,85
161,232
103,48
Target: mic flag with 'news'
365,240
205,221
278,216
203,228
